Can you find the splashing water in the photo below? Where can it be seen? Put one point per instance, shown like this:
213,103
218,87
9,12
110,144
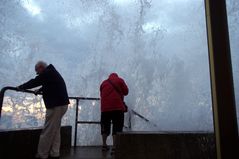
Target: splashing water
158,46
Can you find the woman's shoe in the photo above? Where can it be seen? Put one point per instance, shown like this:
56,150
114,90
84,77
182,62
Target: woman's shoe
105,148
112,151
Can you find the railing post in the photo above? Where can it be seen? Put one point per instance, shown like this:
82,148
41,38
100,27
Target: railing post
129,121
1,100
2,92
76,122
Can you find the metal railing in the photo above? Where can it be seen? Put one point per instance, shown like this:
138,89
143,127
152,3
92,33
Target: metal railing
77,100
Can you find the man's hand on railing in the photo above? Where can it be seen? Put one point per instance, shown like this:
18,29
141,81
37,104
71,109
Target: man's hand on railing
37,91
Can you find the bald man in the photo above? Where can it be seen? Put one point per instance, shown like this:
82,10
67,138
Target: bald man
56,101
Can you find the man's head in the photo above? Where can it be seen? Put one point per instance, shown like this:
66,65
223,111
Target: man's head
40,67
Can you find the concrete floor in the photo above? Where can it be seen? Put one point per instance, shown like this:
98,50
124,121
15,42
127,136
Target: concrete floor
86,153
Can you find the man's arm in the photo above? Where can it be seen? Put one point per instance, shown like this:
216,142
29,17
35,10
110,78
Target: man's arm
124,87
32,83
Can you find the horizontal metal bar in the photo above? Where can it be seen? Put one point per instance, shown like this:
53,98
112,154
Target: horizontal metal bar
88,122
33,92
93,122
84,98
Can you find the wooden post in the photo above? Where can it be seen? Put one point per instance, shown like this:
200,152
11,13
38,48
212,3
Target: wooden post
224,109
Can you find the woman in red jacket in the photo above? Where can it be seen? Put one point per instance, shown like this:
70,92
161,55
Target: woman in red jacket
112,92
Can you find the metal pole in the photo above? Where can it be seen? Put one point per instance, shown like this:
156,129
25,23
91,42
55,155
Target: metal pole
76,122
223,98
1,99
130,126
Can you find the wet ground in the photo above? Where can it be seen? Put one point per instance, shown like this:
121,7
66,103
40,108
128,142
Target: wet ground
86,153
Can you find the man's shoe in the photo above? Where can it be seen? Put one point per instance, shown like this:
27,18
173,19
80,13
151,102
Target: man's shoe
37,157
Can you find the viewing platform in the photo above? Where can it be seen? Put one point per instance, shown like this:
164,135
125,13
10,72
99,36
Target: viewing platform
22,143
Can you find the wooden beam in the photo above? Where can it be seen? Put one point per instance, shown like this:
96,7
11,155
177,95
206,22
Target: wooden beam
224,109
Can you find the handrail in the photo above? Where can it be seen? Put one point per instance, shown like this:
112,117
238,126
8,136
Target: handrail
4,89
143,118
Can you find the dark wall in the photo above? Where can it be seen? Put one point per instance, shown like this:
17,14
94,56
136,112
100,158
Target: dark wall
21,144
146,145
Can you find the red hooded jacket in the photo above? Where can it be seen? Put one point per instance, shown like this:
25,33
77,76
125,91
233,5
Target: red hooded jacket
110,99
